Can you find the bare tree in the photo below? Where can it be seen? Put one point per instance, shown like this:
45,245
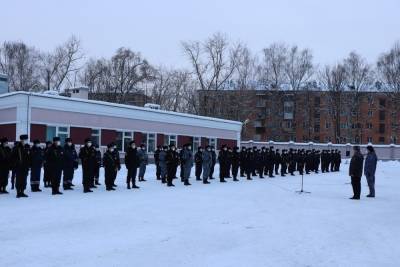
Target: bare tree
359,79
59,67
20,63
333,79
123,74
213,62
273,66
388,67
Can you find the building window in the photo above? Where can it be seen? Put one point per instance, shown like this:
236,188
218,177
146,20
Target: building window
96,137
382,102
394,139
381,128
170,140
382,115
123,139
369,139
288,107
196,143
60,131
149,139
327,125
212,142
316,128
369,125
343,126
382,140
370,113
317,101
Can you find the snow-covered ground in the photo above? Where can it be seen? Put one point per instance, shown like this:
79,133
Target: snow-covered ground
249,223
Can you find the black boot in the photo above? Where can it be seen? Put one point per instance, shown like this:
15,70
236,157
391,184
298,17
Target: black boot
222,180
235,179
134,186
187,182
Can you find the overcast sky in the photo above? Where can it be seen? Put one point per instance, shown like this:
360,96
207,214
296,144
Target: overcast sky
331,28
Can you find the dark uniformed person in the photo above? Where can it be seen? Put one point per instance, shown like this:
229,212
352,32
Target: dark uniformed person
187,162
172,162
37,158
143,161
55,159
163,164
5,164
97,167
260,161
248,163
87,154
21,162
132,164
235,159
223,163
117,160
284,161
198,159
277,161
157,162
214,161
46,173
243,153
70,164
110,167
292,161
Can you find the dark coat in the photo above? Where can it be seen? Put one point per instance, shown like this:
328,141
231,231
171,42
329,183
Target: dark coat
70,157
356,165
131,158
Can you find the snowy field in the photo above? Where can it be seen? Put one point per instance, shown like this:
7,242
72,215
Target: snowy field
249,223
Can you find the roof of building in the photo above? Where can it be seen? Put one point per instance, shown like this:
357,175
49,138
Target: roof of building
119,106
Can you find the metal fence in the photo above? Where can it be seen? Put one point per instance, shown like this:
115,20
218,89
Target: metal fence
384,152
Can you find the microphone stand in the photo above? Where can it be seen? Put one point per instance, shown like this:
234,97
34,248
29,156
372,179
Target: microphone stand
302,187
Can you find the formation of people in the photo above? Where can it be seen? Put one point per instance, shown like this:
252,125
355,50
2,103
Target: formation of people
60,162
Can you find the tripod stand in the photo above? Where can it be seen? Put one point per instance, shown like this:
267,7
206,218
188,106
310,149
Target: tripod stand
302,188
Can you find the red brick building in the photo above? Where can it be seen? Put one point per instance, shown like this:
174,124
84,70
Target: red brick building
303,116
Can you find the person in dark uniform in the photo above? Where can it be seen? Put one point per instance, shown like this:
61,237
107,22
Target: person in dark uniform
157,162
300,162
207,162
132,164
46,173
37,158
110,167
117,160
5,164
355,171
249,159
292,161
172,161
223,163
229,163
332,161
308,161
284,161
260,162
235,163
70,164
87,154
21,162
214,161
242,161
338,160
198,159
187,163
270,157
143,161
56,163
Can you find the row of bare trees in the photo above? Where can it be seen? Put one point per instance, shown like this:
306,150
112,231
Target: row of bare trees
214,64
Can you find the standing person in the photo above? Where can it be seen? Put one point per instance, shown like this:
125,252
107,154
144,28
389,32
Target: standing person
284,160
143,161
206,159
5,164
355,172
110,167
172,161
37,158
87,154
214,161
117,160
163,164
46,173
260,161
56,163
270,156
235,163
21,162
369,170
131,163
157,162
248,160
198,159
243,153
187,162
70,164
97,167
182,167
13,170
338,161
223,163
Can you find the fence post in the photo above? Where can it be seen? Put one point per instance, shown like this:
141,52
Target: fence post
392,147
